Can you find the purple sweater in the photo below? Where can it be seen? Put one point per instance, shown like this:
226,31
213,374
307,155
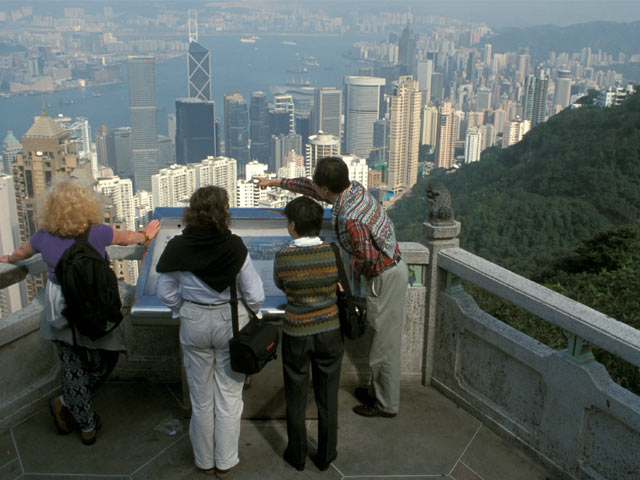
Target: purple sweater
52,247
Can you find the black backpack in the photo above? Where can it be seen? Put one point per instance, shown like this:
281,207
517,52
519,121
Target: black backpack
90,290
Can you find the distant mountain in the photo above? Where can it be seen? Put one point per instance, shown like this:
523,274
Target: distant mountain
611,37
524,206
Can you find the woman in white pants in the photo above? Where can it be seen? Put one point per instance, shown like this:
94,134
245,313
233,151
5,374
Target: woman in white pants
196,270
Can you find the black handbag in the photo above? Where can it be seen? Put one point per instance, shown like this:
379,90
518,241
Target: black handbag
255,345
352,309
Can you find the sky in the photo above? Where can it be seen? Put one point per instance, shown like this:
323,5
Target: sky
496,13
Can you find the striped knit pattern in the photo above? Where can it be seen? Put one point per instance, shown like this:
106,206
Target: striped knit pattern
309,277
355,203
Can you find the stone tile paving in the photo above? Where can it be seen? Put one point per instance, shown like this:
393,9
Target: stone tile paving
144,437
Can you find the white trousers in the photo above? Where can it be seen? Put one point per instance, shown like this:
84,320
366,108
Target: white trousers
215,389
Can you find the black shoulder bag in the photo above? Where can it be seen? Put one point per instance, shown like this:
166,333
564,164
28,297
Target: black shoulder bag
353,309
255,345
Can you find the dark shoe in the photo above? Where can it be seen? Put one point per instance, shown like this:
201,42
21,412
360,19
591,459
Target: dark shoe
294,464
208,471
363,396
61,416
89,438
371,411
322,466
224,473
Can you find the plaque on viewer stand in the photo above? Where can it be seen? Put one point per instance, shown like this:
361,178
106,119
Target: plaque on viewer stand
264,232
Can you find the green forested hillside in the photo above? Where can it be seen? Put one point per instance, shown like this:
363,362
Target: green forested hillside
524,206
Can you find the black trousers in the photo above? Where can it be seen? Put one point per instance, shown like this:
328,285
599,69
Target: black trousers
324,352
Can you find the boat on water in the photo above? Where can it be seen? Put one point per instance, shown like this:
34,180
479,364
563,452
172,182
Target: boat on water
251,39
288,42
96,94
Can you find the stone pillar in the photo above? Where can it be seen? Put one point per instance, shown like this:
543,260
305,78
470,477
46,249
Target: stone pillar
438,236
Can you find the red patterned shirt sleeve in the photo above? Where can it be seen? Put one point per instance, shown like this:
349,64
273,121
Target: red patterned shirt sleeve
300,185
365,257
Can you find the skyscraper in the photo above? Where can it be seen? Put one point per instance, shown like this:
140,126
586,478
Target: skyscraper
563,89
119,152
535,98
260,133
429,125
236,128
404,135
320,145
362,109
144,124
198,65
101,145
483,99
119,192
284,103
327,108
47,151
11,147
407,49
282,145
423,76
195,130
473,145
10,297
445,147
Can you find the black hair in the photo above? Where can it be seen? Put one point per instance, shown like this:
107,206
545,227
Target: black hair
333,173
208,206
307,215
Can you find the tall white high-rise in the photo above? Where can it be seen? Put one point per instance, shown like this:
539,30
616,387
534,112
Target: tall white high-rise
319,146
424,72
473,145
225,175
362,109
255,169
247,195
514,131
10,297
327,111
173,186
11,147
447,134
404,135
429,132
119,192
293,167
358,169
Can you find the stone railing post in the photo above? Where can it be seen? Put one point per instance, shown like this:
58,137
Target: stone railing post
441,232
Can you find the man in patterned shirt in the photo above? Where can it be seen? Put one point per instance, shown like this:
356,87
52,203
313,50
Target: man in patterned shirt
365,231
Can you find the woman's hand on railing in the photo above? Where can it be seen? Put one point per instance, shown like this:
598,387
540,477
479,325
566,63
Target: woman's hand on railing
150,231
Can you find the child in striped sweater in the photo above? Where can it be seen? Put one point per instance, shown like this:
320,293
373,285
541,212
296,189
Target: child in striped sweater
306,271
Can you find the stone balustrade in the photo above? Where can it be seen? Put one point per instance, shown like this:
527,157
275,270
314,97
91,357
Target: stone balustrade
560,405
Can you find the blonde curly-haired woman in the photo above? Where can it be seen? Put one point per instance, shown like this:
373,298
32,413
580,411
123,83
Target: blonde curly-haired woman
66,211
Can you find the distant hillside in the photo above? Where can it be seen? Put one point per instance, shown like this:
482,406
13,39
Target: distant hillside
611,37
524,206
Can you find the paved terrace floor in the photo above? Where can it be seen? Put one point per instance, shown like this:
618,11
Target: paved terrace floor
145,436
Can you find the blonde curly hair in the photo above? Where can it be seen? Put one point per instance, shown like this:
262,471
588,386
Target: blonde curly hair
69,207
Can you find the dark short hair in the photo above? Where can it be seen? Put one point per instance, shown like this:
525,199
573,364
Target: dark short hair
307,215
208,206
333,173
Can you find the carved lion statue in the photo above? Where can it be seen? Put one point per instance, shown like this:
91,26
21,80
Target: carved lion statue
440,211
